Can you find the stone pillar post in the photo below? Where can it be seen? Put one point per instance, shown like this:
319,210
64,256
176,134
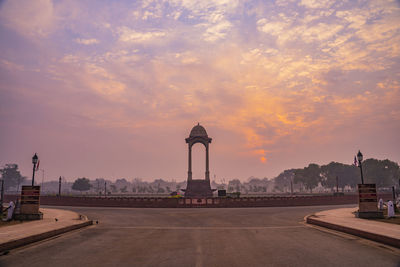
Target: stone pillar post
207,165
190,163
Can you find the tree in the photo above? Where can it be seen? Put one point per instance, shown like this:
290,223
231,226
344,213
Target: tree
142,189
11,176
160,190
284,179
113,188
98,184
309,176
81,184
382,172
332,171
234,185
150,189
121,183
124,189
350,175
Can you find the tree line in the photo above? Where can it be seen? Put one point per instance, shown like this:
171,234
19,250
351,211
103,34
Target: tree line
384,173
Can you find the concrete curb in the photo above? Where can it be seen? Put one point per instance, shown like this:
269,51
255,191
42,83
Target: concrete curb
39,237
387,240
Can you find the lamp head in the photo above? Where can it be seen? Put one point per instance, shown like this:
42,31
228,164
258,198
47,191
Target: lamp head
359,156
35,159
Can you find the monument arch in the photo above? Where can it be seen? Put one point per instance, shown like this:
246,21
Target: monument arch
198,188
198,135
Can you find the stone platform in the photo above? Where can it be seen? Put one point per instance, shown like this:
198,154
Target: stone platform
54,222
198,189
344,220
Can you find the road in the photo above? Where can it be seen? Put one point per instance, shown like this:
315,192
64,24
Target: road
203,237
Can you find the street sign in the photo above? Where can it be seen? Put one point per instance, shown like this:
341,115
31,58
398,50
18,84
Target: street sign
30,197
367,198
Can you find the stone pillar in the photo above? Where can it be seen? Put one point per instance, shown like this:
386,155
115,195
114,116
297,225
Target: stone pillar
207,165
190,163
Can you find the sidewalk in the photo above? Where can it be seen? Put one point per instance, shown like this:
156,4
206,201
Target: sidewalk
345,221
32,231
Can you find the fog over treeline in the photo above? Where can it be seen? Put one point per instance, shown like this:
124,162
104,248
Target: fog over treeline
310,179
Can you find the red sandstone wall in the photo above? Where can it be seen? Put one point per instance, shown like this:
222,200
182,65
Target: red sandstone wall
137,202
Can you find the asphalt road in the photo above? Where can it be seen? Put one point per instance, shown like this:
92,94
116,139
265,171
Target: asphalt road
202,237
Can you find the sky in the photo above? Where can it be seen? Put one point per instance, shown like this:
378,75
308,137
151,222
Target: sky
112,88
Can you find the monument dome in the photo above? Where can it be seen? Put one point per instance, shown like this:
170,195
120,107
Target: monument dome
198,131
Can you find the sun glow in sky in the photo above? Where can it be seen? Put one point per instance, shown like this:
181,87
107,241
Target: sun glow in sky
111,88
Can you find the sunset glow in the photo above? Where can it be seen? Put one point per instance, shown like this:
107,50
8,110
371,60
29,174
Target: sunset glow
112,88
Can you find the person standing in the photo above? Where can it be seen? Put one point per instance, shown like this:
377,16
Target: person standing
10,211
390,209
380,204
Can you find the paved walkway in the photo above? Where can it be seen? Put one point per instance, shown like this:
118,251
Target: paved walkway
57,221
54,222
344,220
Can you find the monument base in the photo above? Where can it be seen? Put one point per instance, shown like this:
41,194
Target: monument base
198,188
369,214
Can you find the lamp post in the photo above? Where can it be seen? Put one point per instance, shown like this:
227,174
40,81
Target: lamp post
360,158
34,162
59,187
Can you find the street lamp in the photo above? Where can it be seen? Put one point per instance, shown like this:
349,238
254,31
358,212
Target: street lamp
35,159
360,158
59,187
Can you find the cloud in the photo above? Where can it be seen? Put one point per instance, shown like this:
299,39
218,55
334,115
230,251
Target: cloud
316,3
129,35
11,66
187,57
217,31
29,18
211,16
87,41
206,8
266,79
320,32
273,28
